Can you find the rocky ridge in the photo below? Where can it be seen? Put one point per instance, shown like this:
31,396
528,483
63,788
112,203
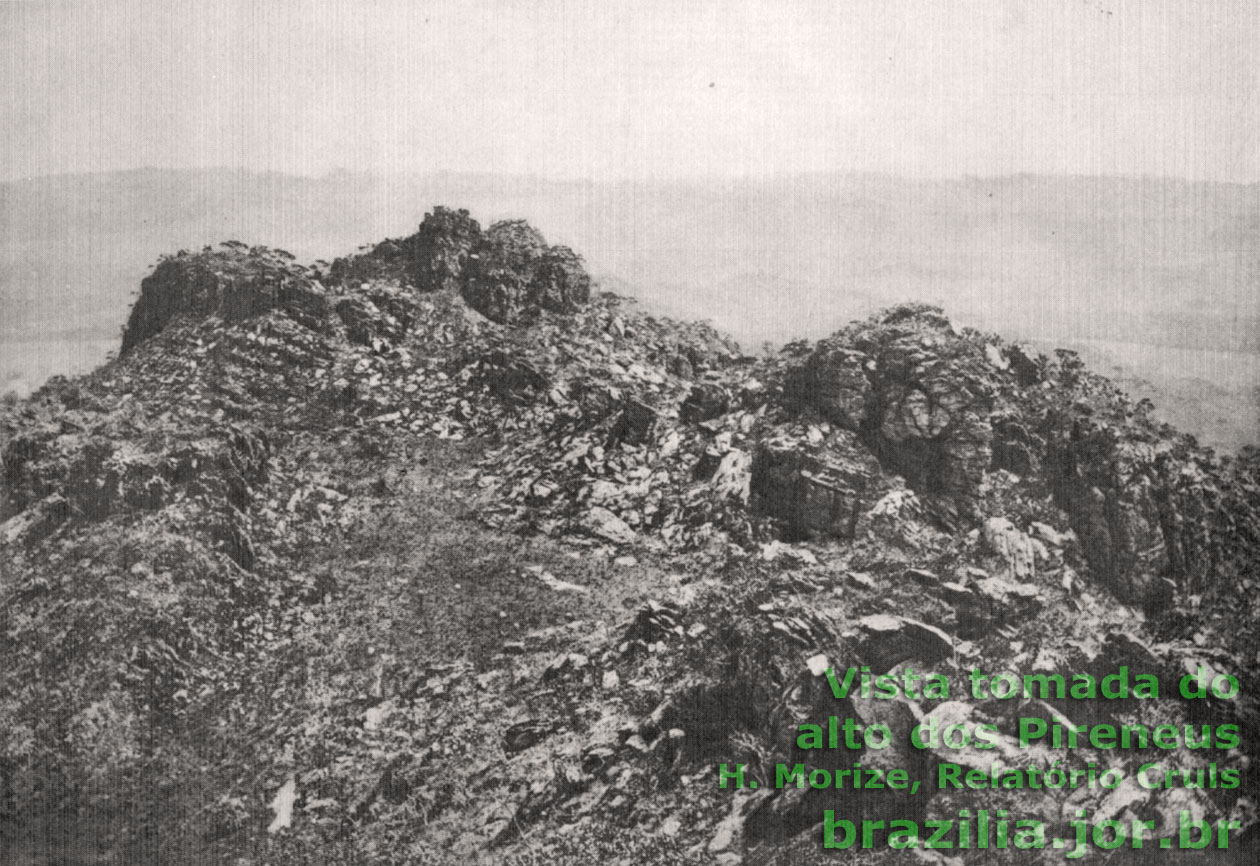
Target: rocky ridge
903,492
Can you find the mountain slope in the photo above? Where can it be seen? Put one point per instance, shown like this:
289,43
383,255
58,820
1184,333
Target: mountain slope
480,565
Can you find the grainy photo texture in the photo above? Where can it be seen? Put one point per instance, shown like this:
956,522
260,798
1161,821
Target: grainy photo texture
767,432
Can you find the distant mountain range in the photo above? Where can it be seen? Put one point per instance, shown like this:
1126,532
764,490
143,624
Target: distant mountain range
1157,280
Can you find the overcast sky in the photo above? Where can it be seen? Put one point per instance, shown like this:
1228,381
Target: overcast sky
608,90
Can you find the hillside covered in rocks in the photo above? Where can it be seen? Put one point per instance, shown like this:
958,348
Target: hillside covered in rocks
438,554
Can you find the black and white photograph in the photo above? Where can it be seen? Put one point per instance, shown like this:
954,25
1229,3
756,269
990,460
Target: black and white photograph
629,433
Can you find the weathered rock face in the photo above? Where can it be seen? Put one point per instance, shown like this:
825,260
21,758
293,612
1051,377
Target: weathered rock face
733,476
1015,553
941,409
502,270
231,282
1014,448
1146,505
1119,507
834,382
814,492
561,283
440,249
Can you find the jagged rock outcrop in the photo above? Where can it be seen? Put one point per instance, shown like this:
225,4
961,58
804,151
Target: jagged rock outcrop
440,249
928,418
561,283
379,313
512,271
904,394
1014,448
232,282
917,393
943,409
815,491
97,473
502,270
1015,552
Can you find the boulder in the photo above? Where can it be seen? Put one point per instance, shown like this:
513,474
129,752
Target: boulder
1002,601
608,526
891,640
733,475
634,425
1015,552
705,401
917,394
932,395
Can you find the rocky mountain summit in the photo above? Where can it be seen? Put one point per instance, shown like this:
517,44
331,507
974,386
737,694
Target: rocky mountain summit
436,554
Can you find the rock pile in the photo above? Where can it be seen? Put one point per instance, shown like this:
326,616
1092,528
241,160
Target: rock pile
504,272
